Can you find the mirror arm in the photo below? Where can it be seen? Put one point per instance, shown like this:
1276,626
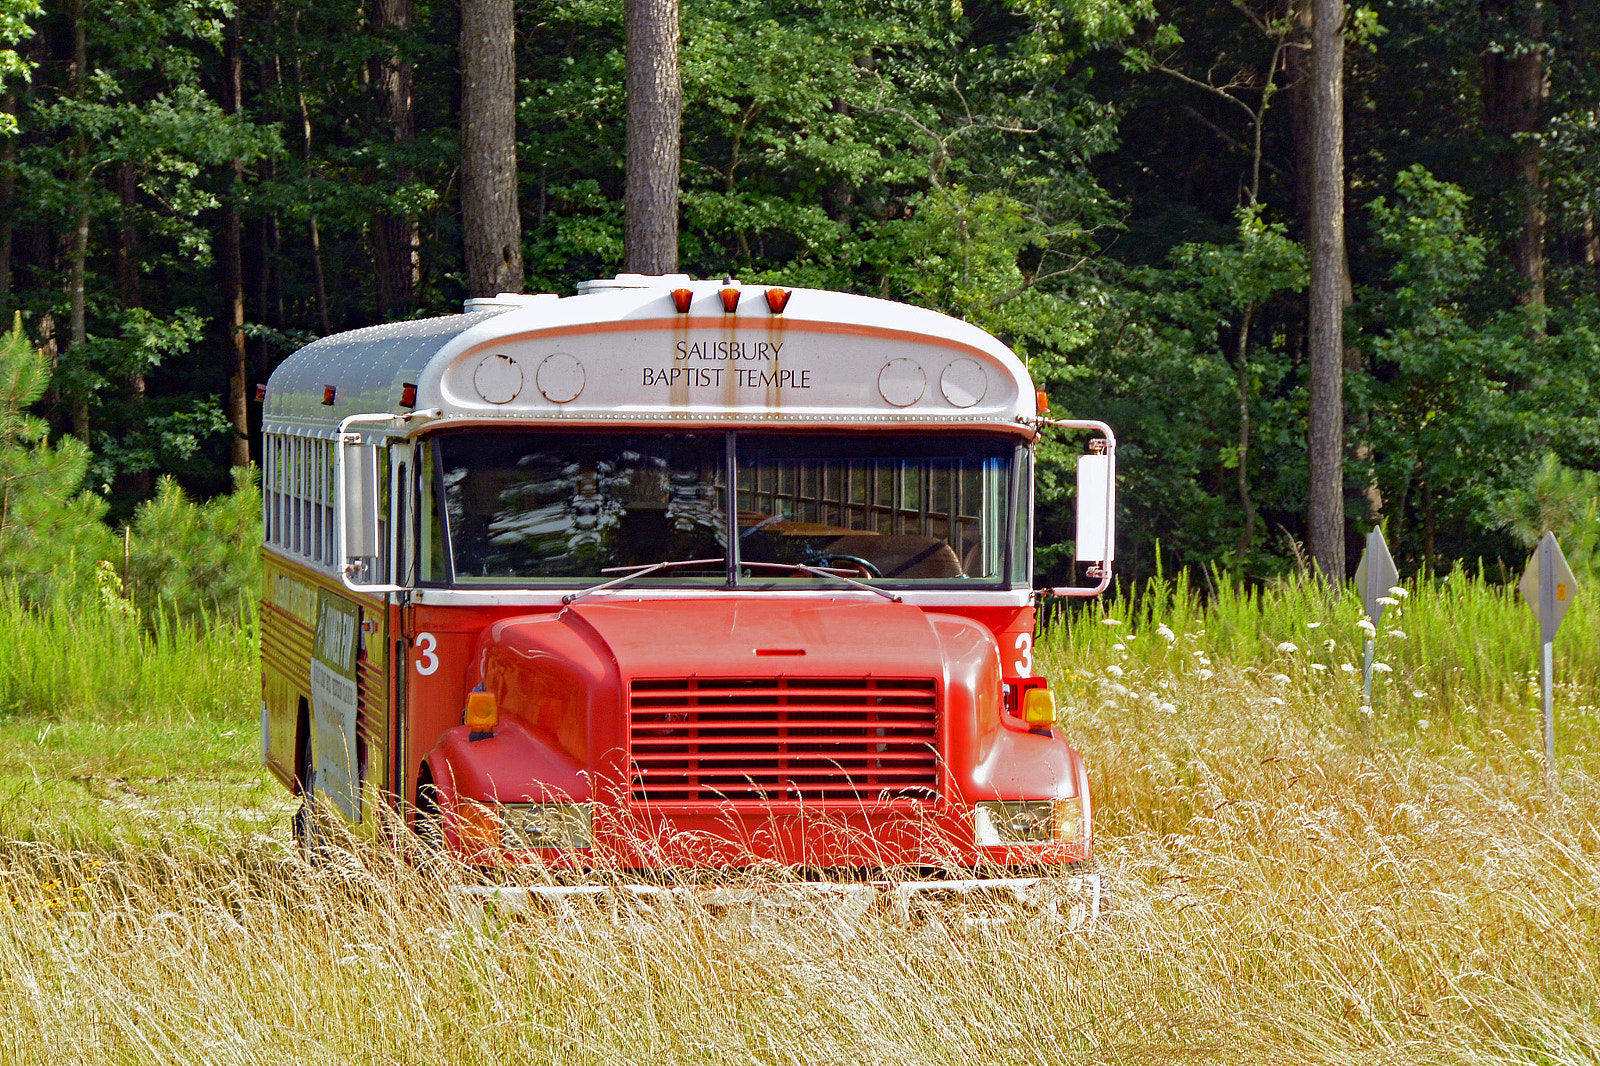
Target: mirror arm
1105,444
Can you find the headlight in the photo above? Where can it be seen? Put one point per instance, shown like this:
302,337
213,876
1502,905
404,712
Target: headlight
1058,821
547,825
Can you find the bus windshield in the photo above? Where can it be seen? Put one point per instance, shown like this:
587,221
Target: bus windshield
573,509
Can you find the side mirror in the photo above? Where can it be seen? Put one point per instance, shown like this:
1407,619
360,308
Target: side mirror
358,543
1097,508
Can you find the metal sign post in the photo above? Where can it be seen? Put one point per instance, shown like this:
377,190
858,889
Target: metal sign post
1549,588
1375,576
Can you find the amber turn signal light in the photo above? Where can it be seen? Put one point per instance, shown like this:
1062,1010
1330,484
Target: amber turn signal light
408,394
777,300
1041,402
328,393
681,298
1039,708
482,714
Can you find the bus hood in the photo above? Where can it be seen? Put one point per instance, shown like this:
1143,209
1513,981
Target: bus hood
762,637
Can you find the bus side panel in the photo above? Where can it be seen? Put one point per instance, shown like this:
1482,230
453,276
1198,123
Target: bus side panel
288,635
288,626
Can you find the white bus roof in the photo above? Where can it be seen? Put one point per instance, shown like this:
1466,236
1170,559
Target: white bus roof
622,351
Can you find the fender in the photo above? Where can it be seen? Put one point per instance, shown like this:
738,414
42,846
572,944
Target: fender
1005,761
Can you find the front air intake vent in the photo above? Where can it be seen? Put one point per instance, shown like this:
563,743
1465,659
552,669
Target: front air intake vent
849,741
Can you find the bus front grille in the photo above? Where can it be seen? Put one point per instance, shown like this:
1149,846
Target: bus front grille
784,739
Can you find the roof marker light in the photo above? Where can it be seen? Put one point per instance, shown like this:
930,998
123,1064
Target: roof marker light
1041,401
261,393
680,300
730,299
777,300
328,392
408,394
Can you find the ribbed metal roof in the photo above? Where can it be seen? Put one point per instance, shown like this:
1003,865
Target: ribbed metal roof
366,367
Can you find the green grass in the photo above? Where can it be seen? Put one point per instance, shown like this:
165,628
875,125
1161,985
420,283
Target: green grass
112,732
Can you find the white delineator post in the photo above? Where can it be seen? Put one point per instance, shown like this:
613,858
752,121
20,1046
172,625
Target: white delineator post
1375,576
1549,587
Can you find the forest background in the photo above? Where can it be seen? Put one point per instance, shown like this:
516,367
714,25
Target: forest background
190,190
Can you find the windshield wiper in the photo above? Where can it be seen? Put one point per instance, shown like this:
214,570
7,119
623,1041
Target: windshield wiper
645,570
820,571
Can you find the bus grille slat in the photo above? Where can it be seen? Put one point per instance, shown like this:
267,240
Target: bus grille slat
777,739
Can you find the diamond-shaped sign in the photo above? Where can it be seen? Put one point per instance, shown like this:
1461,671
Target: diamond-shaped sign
1548,586
1376,575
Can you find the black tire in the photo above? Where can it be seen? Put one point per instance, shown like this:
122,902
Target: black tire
310,834
429,824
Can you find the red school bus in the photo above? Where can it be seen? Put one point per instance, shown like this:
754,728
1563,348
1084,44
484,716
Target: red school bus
671,574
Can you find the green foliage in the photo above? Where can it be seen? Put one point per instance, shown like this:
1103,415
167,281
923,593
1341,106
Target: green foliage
1459,393
14,15
1559,500
50,530
198,563
1185,360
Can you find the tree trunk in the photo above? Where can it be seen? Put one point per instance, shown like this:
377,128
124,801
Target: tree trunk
396,241
655,120
1591,247
1246,502
8,186
130,293
490,222
1514,89
78,257
1325,341
232,263
312,231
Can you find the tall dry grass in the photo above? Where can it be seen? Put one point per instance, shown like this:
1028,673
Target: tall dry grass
1292,880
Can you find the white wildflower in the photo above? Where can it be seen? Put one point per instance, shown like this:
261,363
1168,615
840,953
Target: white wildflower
1166,634
1204,675
1423,724
1313,625
1282,679
1168,708
1114,670
1347,668
1382,668
1366,626
1419,695
1276,701
1396,634
1398,593
1319,667
1110,622
1287,648
1388,601
1119,647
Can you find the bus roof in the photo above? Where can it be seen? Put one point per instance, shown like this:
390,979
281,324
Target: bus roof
622,350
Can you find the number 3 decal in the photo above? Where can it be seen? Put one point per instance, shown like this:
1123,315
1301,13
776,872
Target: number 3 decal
427,660
1024,655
